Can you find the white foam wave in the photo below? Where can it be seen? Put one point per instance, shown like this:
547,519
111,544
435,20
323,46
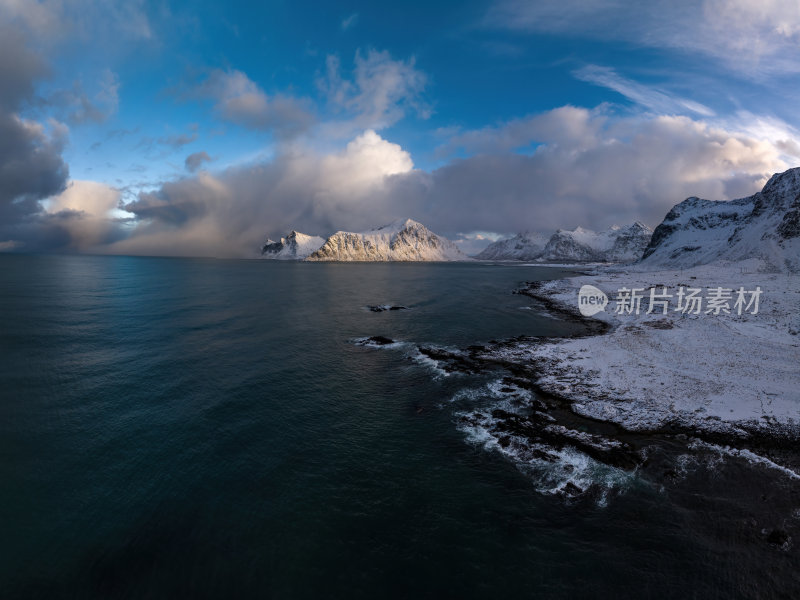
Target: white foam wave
748,455
368,343
563,471
495,390
432,364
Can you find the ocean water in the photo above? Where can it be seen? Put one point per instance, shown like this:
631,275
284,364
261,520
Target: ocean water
207,428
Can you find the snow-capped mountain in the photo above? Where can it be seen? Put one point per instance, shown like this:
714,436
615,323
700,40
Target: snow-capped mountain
629,243
523,246
616,244
765,225
403,240
295,246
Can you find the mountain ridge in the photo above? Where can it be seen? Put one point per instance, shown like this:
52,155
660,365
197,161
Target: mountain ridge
400,240
616,244
765,226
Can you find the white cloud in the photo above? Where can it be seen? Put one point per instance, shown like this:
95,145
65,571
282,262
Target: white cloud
230,214
240,100
752,37
349,21
84,214
650,97
589,168
380,93
89,197
52,21
571,125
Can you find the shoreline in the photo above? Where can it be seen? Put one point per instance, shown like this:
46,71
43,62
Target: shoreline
566,400
749,416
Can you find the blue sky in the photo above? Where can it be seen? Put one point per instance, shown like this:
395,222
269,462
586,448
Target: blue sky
202,128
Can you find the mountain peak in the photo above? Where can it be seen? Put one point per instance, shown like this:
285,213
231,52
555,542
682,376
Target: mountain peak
617,244
295,246
765,225
398,225
783,182
400,240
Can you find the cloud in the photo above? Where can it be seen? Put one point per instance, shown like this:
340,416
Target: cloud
588,168
652,98
577,126
240,100
106,21
20,68
31,167
178,140
195,161
594,169
157,148
380,92
76,107
230,213
752,37
349,21
82,215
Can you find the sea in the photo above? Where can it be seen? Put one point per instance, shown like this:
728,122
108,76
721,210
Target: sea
201,428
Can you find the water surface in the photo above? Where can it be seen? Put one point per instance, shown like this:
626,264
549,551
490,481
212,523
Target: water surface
208,428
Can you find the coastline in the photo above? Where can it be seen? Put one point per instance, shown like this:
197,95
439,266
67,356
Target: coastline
720,383
712,374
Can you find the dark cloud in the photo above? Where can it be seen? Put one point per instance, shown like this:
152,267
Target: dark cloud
194,161
19,69
31,167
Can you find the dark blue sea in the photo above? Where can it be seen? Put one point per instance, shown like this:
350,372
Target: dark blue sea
191,428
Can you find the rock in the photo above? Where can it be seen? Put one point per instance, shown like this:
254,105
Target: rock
778,537
375,340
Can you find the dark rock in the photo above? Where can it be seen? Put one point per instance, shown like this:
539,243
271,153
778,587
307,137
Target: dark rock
778,537
376,340
659,324
385,307
790,226
572,490
452,362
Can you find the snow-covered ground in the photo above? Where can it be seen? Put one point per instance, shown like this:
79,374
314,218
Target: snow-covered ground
725,373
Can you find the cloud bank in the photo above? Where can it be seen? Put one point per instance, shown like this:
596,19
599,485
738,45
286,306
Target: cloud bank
31,167
588,168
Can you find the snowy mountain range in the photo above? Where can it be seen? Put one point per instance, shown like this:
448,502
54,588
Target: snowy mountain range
295,246
523,246
403,240
616,244
765,225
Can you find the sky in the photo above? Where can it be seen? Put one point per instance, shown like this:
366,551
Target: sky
203,128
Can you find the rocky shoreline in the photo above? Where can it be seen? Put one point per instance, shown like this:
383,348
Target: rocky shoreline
543,414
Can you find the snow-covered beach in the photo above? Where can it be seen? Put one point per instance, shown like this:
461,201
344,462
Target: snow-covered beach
721,373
